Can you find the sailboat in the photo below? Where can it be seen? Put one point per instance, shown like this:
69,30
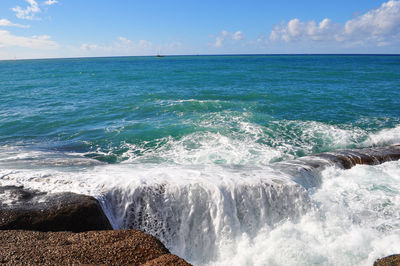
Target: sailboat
158,54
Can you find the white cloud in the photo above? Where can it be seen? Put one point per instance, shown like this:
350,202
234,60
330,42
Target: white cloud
50,2
221,38
121,46
171,46
378,26
6,23
126,43
124,40
89,47
380,23
225,35
145,44
237,36
29,12
295,30
43,42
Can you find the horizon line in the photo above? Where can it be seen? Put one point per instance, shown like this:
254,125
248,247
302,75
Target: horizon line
182,55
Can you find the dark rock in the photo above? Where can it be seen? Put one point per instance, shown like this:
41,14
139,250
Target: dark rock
306,169
393,260
119,247
370,156
347,158
26,209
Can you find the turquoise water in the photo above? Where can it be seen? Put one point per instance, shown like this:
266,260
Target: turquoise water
101,104
184,147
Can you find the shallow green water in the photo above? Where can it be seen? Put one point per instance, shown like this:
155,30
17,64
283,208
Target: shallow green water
138,108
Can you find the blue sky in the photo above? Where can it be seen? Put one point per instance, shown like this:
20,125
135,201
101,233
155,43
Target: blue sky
74,28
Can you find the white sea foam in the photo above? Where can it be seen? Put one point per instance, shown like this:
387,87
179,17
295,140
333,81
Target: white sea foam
6,198
355,220
204,148
226,139
384,137
239,211
19,157
177,102
192,210
244,216
234,140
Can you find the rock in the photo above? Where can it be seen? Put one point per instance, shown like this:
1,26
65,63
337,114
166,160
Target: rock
26,209
393,260
345,158
166,260
112,247
306,170
370,156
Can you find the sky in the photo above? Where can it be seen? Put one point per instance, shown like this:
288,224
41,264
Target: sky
81,28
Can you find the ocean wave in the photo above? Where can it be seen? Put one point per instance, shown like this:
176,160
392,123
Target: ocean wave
258,211
354,221
216,139
386,136
223,139
190,209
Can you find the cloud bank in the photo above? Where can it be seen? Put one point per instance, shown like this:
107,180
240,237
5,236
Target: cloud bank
122,44
126,47
378,27
35,42
6,23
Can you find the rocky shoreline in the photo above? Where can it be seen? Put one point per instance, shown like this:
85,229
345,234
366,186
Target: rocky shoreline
110,247
68,228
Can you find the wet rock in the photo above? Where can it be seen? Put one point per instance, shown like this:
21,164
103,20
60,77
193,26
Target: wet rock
346,158
112,247
306,169
27,209
393,260
370,156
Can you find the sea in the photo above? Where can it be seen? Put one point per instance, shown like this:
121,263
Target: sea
186,148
